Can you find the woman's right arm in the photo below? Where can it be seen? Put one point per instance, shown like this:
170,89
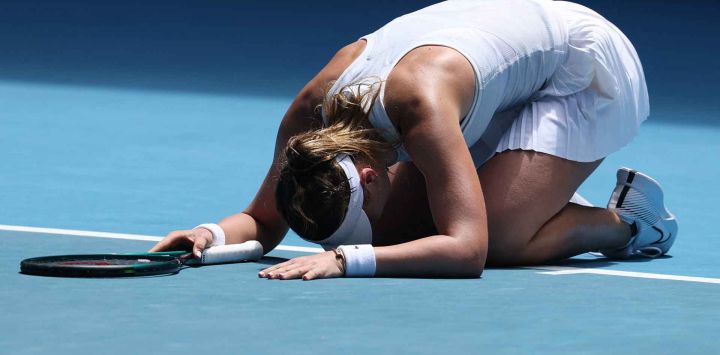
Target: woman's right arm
261,220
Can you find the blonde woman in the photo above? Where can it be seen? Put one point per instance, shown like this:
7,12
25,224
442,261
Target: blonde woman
453,138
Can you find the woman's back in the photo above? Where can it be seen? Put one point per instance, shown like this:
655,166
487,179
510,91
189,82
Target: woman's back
514,46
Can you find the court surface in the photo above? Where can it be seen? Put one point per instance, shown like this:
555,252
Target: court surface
138,163
121,122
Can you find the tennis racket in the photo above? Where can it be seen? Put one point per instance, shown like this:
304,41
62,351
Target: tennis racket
137,264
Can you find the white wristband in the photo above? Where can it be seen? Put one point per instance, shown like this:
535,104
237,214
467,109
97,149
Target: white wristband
359,260
217,232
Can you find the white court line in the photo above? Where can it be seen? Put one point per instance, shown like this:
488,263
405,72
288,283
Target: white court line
549,270
565,270
78,233
94,234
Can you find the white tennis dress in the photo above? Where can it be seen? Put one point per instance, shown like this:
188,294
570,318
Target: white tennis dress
552,77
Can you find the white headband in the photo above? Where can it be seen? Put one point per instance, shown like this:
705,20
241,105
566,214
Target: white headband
355,227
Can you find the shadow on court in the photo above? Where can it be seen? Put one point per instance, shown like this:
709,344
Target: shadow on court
604,262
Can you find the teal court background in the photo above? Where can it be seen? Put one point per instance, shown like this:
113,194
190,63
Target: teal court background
145,118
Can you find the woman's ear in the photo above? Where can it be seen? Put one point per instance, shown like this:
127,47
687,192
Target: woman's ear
368,176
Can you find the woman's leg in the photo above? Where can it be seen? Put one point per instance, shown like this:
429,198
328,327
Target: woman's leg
526,196
529,218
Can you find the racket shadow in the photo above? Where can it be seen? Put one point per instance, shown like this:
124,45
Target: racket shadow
103,277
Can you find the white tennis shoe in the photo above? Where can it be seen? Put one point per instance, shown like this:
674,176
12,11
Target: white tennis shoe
638,200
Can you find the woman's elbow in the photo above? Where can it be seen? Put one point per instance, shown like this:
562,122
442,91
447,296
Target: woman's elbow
475,267
473,261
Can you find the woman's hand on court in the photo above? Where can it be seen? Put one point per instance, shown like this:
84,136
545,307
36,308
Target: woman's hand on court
195,239
319,266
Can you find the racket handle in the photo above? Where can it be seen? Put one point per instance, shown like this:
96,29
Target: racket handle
251,250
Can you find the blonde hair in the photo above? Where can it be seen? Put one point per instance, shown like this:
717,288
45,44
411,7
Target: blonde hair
313,192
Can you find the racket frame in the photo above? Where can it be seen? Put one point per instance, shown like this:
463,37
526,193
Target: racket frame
160,263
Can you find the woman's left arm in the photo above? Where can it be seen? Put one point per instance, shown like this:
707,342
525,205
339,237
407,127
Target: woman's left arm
432,137
427,106
429,119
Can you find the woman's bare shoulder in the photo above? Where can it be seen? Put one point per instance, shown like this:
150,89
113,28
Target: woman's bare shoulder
427,78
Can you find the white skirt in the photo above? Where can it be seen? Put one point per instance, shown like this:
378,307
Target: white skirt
593,104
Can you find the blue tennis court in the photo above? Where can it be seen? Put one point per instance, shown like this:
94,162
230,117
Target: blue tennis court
114,132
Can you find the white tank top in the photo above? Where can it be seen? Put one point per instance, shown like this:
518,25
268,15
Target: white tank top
514,47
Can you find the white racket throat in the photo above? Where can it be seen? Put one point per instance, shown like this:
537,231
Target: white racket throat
251,250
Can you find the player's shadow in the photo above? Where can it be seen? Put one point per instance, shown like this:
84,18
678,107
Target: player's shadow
601,262
598,263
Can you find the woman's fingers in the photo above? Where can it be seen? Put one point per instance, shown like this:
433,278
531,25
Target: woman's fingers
196,240
275,268
273,271
291,274
199,245
312,267
310,275
174,240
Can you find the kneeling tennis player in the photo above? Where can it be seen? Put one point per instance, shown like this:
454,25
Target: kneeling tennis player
453,138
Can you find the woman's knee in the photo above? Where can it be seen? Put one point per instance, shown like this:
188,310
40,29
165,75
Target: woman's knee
510,230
